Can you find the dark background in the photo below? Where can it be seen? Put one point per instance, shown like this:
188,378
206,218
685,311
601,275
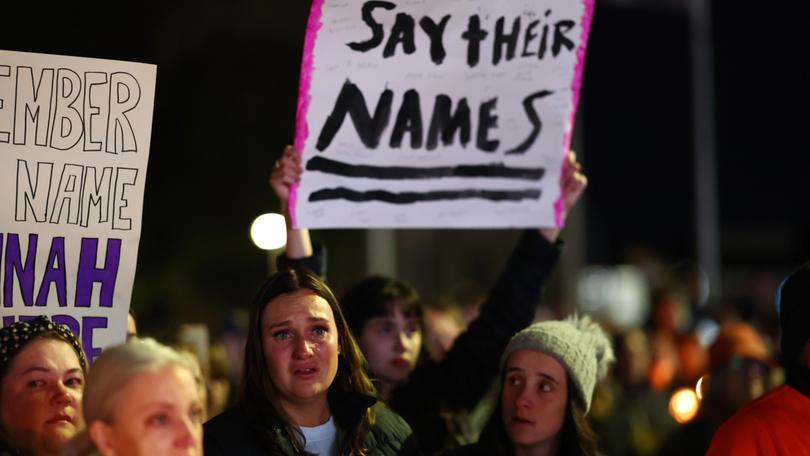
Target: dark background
226,94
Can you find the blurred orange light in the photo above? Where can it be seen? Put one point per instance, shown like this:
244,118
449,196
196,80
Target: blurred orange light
684,405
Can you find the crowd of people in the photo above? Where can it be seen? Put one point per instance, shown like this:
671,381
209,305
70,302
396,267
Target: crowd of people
355,376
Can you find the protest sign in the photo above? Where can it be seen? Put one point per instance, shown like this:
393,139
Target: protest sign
74,145
450,113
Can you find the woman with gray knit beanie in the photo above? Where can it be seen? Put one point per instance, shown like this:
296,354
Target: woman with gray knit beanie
548,374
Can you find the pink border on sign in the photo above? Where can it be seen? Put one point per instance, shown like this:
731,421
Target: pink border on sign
576,85
307,67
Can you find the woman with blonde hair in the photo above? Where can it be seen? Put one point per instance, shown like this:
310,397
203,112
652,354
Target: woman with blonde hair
143,398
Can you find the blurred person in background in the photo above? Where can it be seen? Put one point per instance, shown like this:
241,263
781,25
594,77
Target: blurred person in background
739,372
448,316
220,389
629,416
304,388
386,317
778,422
42,372
670,320
143,398
548,374
442,324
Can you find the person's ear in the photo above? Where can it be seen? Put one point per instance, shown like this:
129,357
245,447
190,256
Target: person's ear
101,434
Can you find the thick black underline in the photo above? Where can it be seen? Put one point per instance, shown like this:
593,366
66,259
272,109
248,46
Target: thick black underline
415,197
491,170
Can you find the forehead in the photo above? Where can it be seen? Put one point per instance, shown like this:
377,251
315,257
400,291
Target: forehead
535,362
300,304
397,310
169,384
50,353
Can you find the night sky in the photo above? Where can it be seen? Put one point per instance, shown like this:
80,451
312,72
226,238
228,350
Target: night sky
225,103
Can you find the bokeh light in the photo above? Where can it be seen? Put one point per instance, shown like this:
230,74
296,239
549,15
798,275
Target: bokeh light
269,231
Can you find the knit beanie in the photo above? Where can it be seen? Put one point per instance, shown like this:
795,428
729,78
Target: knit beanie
793,307
576,342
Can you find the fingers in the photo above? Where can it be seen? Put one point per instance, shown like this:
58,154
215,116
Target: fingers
286,171
576,183
573,182
288,167
570,166
289,157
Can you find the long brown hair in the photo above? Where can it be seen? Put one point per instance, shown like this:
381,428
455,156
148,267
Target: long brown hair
576,436
258,396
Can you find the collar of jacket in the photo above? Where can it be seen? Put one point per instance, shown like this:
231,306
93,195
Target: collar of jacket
347,409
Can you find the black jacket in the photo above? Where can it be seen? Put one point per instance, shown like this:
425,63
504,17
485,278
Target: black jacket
236,431
468,370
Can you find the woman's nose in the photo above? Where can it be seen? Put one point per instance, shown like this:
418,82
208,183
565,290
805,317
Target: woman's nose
303,349
524,399
61,394
401,341
186,434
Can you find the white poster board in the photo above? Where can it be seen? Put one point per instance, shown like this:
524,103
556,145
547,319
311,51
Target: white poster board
447,113
74,145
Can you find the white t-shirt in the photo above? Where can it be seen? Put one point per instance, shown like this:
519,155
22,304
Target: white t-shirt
320,439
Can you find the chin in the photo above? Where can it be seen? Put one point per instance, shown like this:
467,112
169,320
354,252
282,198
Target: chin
311,391
56,441
524,437
397,376
63,432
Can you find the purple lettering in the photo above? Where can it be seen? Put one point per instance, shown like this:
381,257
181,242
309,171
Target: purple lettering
55,273
89,324
88,274
25,273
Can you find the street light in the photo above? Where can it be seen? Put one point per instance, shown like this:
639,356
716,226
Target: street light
269,232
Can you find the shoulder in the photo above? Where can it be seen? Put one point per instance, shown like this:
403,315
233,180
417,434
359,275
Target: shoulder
232,418
229,432
781,402
759,424
387,423
390,433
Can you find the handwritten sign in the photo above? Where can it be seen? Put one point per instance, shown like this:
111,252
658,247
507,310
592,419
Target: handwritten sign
452,113
74,145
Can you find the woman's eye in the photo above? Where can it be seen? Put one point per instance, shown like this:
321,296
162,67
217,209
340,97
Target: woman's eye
196,414
544,387
412,329
386,329
514,381
75,382
35,383
281,335
320,331
160,419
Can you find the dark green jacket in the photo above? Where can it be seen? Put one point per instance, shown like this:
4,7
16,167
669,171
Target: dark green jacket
236,431
438,390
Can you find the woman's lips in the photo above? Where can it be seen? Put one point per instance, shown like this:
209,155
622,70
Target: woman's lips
61,418
523,421
400,363
305,372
